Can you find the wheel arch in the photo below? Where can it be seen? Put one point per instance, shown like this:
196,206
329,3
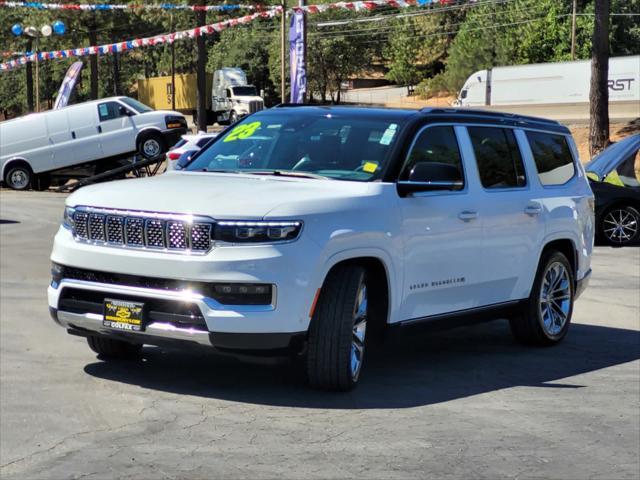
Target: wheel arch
14,161
567,247
147,131
378,273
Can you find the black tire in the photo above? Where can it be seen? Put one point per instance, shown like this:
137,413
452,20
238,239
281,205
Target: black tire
620,226
18,176
151,145
110,348
539,322
41,182
331,333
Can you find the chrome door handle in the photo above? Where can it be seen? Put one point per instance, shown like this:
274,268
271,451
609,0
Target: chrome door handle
467,215
533,209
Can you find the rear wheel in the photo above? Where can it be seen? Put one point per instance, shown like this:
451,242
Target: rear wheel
620,225
110,348
338,329
18,176
545,317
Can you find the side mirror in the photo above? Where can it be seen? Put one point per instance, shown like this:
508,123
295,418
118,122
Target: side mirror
184,159
431,176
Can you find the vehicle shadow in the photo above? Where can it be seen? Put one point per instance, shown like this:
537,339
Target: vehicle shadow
7,222
418,371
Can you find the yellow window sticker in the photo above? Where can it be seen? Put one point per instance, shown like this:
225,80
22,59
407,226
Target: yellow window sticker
242,131
370,167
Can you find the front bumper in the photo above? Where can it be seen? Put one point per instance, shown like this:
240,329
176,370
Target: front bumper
164,334
172,136
274,326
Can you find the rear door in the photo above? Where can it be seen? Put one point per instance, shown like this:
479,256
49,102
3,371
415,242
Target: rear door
83,122
513,226
442,233
60,138
116,129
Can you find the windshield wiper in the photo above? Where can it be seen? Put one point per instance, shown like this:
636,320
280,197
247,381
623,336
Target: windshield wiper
216,170
290,173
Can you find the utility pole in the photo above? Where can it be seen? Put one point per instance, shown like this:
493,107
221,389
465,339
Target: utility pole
201,73
283,53
599,88
29,71
573,29
93,61
173,68
37,78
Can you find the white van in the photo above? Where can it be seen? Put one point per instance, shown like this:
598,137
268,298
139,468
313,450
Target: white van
101,130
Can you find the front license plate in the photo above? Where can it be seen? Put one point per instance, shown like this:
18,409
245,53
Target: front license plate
123,315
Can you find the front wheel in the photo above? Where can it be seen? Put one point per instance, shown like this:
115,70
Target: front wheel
338,329
620,225
545,316
110,348
151,145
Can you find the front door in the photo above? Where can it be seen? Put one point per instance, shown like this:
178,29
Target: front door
116,129
442,234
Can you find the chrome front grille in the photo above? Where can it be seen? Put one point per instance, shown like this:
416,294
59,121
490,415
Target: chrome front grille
255,106
128,229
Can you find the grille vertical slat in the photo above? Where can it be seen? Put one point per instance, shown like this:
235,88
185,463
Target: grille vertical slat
96,227
115,229
81,229
142,230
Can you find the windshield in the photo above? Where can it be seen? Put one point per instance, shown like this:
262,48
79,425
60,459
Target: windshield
247,91
136,105
334,146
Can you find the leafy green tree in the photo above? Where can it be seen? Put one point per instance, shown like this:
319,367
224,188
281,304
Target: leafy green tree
402,53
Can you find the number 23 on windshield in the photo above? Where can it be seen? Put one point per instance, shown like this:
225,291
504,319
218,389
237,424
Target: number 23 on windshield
242,131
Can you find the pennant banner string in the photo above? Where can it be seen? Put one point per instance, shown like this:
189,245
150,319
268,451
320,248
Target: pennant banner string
210,29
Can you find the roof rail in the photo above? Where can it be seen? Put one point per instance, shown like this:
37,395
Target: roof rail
488,113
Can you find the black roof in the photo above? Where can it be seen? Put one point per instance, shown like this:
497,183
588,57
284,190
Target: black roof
437,114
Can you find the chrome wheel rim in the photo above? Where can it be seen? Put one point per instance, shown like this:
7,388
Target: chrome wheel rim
555,298
151,147
19,179
359,332
620,225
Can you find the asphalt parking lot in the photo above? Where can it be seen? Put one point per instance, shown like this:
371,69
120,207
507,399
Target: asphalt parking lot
467,403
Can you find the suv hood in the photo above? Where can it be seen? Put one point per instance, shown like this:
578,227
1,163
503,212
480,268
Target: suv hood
218,195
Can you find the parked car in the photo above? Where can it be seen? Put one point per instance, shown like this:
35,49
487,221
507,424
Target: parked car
190,142
614,181
99,132
308,230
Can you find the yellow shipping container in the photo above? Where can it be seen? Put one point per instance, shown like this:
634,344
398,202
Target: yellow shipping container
156,92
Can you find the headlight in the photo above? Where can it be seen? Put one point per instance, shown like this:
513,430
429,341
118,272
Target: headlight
175,122
67,219
257,232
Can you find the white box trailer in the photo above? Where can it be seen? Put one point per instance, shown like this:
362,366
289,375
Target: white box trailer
549,83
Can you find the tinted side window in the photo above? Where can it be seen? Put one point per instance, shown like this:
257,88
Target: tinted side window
435,145
553,158
498,157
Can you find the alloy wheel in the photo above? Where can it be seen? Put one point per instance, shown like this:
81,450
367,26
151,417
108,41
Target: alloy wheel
620,226
555,299
359,332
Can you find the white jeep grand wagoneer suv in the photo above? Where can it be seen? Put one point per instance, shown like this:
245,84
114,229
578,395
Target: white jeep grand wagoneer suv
310,229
